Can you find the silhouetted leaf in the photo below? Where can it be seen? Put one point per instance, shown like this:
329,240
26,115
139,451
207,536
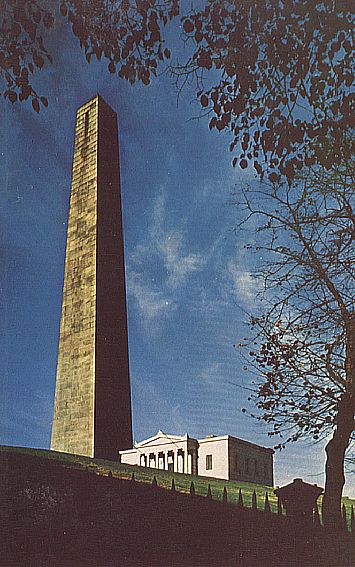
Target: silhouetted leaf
35,104
12,96
188,26
63,9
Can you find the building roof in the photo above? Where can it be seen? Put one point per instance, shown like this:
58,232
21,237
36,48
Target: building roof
161,438
211,438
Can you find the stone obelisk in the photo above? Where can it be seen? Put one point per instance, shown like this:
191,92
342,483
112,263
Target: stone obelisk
92,410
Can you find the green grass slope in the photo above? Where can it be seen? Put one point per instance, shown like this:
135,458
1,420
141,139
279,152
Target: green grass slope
164,478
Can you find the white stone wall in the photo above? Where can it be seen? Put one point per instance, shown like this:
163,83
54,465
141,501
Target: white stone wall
130,457
218,448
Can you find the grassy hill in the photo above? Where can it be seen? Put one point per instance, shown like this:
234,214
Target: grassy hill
164,478
67,510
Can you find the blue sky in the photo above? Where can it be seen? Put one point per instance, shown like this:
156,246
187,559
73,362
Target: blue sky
188,274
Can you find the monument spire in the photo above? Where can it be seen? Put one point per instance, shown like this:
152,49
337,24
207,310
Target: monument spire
92,410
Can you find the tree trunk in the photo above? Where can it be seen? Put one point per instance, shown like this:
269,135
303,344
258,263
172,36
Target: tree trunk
335,449
334,472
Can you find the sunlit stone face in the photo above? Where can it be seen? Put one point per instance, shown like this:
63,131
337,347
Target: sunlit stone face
92,413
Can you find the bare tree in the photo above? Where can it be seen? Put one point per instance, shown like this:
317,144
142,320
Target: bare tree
303,346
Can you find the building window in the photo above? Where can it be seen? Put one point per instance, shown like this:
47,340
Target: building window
161,460
171,461
247,467
208,462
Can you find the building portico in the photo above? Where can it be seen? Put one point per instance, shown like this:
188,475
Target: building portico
166,452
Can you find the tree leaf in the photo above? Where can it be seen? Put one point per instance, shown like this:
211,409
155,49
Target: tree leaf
35,104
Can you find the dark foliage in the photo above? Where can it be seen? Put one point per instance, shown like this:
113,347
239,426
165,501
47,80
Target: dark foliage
275,74
285,72
126,34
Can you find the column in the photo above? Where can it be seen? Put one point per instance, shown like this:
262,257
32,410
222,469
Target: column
180,461
189,463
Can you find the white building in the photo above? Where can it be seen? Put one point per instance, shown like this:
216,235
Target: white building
224,457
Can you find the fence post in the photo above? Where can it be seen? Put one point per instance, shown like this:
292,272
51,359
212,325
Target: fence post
192,488
209,492
154,482
225,495
254,503
240,502
345,524
267,508
352,520
316,517
132,477
172,485
279,506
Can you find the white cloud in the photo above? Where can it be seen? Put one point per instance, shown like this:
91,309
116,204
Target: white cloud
212,374
244,285
163,252
152,303
169,244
